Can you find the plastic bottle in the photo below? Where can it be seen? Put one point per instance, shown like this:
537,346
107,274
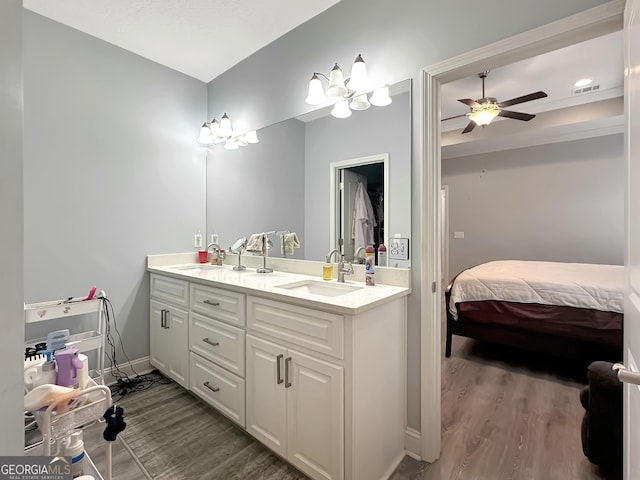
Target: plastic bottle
382,255
83,373
73,446
369,266
327,270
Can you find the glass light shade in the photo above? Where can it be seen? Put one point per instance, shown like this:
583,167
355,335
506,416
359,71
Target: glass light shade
360,102
251,137
380,97
225,129
358,79
484,116
205,135
336,86
316,94
241,141
341,110
230,144
214,126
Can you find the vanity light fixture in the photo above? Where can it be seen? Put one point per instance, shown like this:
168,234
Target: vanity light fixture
219,131
349,94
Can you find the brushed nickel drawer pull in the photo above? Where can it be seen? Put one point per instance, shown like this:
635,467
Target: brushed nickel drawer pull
211,302
287,362
278,372
162,317
213,343
213,389
167,318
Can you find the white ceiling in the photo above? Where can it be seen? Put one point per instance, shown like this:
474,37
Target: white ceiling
201,38
554,73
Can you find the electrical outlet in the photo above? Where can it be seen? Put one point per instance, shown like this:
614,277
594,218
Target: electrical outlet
197,240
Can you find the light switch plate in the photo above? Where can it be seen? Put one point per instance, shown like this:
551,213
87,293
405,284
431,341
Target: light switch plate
399,249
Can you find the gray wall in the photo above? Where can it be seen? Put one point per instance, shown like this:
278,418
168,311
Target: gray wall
558,202
11,249
376,130
396,39
256,188
112,171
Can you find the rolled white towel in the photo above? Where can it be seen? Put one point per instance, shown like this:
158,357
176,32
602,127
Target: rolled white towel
257,244
289,242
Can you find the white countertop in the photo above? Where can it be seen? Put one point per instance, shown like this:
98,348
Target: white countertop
267,285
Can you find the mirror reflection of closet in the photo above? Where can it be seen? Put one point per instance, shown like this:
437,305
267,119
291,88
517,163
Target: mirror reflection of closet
368,206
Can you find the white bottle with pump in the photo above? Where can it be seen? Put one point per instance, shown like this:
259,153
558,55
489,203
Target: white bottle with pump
73,446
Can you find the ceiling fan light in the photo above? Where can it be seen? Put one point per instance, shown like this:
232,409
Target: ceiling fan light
316,94
225,129
341,110
380,97
358,79
336,86
483,116
360,102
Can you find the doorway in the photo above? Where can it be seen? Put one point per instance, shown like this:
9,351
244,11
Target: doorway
597,21
372,173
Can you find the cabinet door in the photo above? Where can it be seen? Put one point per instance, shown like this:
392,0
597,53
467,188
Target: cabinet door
169,341
266,398
315,416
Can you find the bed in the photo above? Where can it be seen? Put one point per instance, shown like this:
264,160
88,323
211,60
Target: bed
573,310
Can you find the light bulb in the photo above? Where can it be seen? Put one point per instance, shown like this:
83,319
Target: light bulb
341,110
316,94
358,80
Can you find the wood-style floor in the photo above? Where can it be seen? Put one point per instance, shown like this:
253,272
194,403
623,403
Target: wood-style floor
506,414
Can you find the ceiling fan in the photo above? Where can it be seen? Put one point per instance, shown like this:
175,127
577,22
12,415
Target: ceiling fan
486,109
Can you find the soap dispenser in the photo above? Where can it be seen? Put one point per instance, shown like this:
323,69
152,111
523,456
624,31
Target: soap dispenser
327,270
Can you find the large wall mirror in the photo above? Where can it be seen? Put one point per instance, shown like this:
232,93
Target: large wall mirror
285,182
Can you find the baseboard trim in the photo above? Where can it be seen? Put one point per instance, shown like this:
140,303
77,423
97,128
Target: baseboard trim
413,443
139,366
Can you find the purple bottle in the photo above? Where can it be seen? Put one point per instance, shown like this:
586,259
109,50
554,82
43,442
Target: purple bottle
68,366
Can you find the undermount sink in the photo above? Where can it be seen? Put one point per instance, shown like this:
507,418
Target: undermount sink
320,287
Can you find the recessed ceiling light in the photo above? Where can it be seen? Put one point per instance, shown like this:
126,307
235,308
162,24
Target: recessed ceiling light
583,82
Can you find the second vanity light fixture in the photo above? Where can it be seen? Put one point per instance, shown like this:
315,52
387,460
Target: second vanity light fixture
218,131
351,94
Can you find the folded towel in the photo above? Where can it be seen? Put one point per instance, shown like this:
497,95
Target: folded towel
289,242
257,244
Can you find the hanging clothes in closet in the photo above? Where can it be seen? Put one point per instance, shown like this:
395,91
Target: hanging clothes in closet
364,219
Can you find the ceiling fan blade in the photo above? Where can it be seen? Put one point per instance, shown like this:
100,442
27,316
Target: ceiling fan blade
471,103
455,116
524,98
516,115
470,126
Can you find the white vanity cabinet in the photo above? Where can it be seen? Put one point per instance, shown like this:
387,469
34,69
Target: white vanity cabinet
168,328
295,406
326,391
217,349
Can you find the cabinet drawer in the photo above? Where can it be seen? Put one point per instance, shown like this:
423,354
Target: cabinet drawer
217,387
170,290
219,304
218,342
315,330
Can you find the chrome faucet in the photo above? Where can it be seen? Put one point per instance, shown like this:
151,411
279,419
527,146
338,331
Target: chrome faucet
332,253
216,249
344,268
356,255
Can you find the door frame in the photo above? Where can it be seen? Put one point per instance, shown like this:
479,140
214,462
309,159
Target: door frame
334,194
597,21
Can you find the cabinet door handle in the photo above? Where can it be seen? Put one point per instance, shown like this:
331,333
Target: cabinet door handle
213,343
163,318
167,318
287,362
211,302
278,372
210,387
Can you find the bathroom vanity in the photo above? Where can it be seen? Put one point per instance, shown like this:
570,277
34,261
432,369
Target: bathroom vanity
314,370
